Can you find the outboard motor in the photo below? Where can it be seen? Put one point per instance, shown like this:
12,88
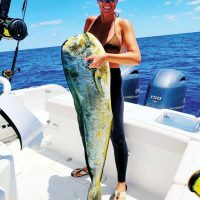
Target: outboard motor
167,90
130,84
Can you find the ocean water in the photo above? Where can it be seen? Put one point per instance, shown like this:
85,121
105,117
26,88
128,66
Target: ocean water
180,52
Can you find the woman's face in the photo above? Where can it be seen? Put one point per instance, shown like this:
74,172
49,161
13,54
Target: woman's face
107,6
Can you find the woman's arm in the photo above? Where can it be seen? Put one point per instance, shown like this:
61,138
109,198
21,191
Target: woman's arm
88,23
130,57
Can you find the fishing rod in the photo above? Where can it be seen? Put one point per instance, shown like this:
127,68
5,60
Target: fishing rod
12,28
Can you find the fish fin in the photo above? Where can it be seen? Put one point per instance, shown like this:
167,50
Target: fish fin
97,78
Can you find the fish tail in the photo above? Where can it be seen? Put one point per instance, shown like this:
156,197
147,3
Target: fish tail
94,192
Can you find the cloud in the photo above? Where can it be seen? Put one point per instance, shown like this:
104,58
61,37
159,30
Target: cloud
122,1
178,2
177,16
196,2
47,23
168,2
187,13
118,10
86,4
197,8
171,17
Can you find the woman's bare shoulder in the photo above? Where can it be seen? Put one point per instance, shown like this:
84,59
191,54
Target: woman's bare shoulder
90,19
124,23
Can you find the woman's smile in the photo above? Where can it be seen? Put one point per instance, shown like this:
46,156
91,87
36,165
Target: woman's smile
106,7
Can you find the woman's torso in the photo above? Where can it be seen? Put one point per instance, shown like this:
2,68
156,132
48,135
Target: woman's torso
109,35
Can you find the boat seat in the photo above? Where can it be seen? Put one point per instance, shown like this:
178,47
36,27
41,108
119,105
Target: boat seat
8,189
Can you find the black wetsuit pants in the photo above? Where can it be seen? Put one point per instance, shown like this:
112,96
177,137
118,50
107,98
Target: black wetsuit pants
117,134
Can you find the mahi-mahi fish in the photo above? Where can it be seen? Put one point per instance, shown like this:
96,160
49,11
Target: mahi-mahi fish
90,89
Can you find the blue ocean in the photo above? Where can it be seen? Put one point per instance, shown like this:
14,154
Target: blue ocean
180,52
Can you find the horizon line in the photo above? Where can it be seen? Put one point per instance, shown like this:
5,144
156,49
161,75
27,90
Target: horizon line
136,38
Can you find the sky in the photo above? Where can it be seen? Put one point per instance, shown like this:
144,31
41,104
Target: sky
51,22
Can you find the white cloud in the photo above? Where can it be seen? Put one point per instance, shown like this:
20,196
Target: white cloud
178,2
86,4
118,10
196,2
47,23
168,2
197,8
174,17
51,22
34,25
171,17
187,13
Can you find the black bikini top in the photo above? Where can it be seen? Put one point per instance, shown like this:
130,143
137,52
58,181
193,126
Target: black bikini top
113,45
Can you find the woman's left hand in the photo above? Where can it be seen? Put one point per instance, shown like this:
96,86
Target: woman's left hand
97,61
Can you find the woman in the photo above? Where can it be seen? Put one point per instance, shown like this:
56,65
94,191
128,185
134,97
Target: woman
115,35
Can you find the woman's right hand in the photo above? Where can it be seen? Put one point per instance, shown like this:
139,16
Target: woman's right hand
97,60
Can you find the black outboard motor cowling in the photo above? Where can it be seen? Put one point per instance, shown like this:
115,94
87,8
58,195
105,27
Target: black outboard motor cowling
130,84
167,90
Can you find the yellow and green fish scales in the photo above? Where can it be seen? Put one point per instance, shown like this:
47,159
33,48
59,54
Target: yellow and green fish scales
90,89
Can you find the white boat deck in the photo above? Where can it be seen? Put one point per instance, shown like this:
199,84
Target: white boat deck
45,175
161,158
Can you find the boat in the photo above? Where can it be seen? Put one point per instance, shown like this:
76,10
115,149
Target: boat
40,145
